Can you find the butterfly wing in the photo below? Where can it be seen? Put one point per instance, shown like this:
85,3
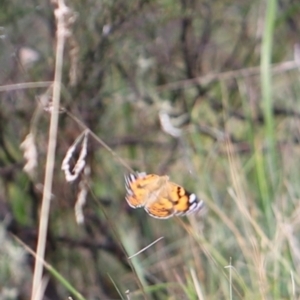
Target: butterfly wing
174,201
137,187
161,198
162,208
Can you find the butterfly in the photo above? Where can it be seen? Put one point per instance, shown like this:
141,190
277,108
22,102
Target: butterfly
160,197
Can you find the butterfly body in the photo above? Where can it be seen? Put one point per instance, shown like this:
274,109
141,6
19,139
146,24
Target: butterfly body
160,197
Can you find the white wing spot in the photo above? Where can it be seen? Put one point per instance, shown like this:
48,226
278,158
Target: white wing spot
192,198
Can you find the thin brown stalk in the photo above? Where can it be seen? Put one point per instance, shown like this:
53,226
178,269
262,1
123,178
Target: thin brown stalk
242,73
25,85
60,12
99,140
145,248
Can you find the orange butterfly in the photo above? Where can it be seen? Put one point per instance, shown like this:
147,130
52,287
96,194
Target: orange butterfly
160,197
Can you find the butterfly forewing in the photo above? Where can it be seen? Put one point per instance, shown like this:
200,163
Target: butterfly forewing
136,195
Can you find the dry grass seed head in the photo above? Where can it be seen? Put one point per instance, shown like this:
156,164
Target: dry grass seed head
30,155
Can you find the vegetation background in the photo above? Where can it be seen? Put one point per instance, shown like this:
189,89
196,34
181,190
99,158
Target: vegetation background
206,92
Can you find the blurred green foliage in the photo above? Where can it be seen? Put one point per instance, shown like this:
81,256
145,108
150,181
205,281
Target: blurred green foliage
225,74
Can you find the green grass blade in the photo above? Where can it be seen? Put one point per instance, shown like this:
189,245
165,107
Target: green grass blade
267,106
